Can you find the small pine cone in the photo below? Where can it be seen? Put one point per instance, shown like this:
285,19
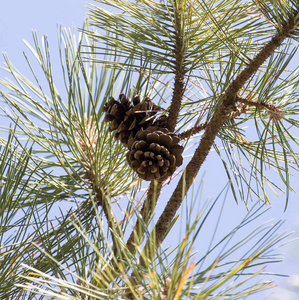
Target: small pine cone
127,117
154,153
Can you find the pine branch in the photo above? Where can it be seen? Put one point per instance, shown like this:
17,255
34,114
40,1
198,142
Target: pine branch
272,109
145,214
87,138
178,90
240,109
194,130
112,223
224,108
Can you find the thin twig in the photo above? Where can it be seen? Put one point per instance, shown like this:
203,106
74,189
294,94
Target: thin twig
145,214
240,109
108,212
194,130
273,109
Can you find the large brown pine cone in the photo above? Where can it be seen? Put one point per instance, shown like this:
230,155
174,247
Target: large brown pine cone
127,117
154,153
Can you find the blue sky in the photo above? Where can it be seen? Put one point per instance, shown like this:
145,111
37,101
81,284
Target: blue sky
19,18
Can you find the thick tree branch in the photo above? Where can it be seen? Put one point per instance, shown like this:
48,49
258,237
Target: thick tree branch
179,85
225,106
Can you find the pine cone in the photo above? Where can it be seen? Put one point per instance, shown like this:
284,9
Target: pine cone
154,153
127,118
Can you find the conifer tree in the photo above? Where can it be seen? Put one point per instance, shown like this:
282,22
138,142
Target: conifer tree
151,88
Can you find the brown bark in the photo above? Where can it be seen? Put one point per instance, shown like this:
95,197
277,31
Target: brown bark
196,129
